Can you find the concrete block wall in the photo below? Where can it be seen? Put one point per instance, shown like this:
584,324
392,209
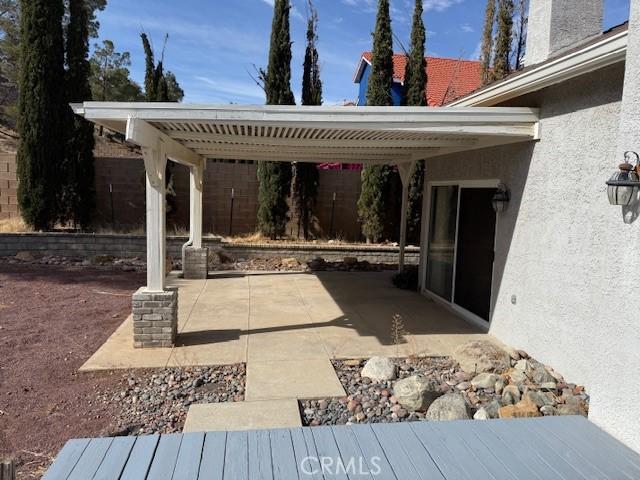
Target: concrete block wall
8,186
129,246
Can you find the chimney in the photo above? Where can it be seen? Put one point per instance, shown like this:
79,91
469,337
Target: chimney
556,25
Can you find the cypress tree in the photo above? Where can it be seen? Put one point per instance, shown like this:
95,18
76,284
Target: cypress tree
79,190
501,63
375,178
150,91
487,41
43,112
415,84
381,77
306,177
415,78
278,76
275,177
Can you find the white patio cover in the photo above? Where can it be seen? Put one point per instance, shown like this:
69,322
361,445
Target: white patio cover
189,134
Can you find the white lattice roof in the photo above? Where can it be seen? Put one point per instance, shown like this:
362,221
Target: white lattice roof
313,134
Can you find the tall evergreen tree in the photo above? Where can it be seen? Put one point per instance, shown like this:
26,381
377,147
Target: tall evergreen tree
79,194
504,37
415,85
486,51
375,178
306,177
521,34
156,89
43,111
415,77
381,77
274,178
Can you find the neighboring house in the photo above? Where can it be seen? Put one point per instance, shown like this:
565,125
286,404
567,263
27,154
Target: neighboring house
447,78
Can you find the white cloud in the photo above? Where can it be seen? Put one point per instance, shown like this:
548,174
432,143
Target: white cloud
467,28
269,2
295,13
232,90
439,5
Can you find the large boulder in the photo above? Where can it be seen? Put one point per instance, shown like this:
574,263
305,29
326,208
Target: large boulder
415,392
379,369
451,406
481,356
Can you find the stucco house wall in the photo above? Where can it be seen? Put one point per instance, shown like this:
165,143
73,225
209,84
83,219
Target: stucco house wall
567,267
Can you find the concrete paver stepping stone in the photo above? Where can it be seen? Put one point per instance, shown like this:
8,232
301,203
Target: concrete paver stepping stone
302,379
208,417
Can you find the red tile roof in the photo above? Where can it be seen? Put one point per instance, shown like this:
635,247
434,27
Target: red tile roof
448,78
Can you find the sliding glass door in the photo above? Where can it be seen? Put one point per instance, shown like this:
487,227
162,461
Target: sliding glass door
442,240
460,252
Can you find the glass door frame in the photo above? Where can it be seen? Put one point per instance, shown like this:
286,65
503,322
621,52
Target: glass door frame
426,224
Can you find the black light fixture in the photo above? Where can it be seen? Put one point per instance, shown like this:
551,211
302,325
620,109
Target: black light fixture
501,198
624,185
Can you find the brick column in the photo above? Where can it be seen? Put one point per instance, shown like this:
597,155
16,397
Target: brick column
155,318
195,263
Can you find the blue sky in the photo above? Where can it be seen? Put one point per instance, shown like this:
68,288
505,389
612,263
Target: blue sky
213,44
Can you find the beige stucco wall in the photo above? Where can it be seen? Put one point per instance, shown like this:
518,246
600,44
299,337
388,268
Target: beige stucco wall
563,251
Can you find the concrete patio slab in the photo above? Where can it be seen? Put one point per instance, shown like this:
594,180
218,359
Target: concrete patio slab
211,417
302,379
277,317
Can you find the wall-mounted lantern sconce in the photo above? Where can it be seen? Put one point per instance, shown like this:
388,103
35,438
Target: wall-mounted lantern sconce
501,198
623,186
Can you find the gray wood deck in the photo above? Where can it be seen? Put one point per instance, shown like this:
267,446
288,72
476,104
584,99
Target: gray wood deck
537,449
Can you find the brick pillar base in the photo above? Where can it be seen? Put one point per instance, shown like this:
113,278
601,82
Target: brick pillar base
155,318
195,263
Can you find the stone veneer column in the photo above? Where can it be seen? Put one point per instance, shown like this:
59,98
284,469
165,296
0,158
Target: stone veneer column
195,264
155,318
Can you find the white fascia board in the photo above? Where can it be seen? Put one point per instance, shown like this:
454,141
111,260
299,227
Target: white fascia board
374,118
593,57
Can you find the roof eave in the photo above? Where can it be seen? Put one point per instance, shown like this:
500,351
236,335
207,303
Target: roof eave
595,56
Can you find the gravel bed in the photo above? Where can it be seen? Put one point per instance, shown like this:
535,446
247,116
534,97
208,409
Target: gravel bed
157,401
374,402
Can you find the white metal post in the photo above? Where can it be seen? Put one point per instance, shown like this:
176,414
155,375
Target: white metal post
195,200
155,162
405,170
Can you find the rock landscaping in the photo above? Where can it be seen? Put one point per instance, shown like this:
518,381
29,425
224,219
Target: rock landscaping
513,385
218,261
100,261
157,401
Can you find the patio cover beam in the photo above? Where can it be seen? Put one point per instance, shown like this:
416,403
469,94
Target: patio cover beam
391,135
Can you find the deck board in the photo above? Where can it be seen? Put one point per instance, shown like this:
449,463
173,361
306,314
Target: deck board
556,447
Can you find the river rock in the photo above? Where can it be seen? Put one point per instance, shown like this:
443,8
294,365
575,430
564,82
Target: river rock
539,398
379,369
523,409
481,356
25,256
510,395
415,393
485,380
290,262
481,414
451,406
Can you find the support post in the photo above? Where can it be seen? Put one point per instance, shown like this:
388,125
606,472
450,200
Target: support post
155,308
195,258
405,170
155,162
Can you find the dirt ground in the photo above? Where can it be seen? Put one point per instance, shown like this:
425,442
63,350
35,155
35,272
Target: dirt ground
51,320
